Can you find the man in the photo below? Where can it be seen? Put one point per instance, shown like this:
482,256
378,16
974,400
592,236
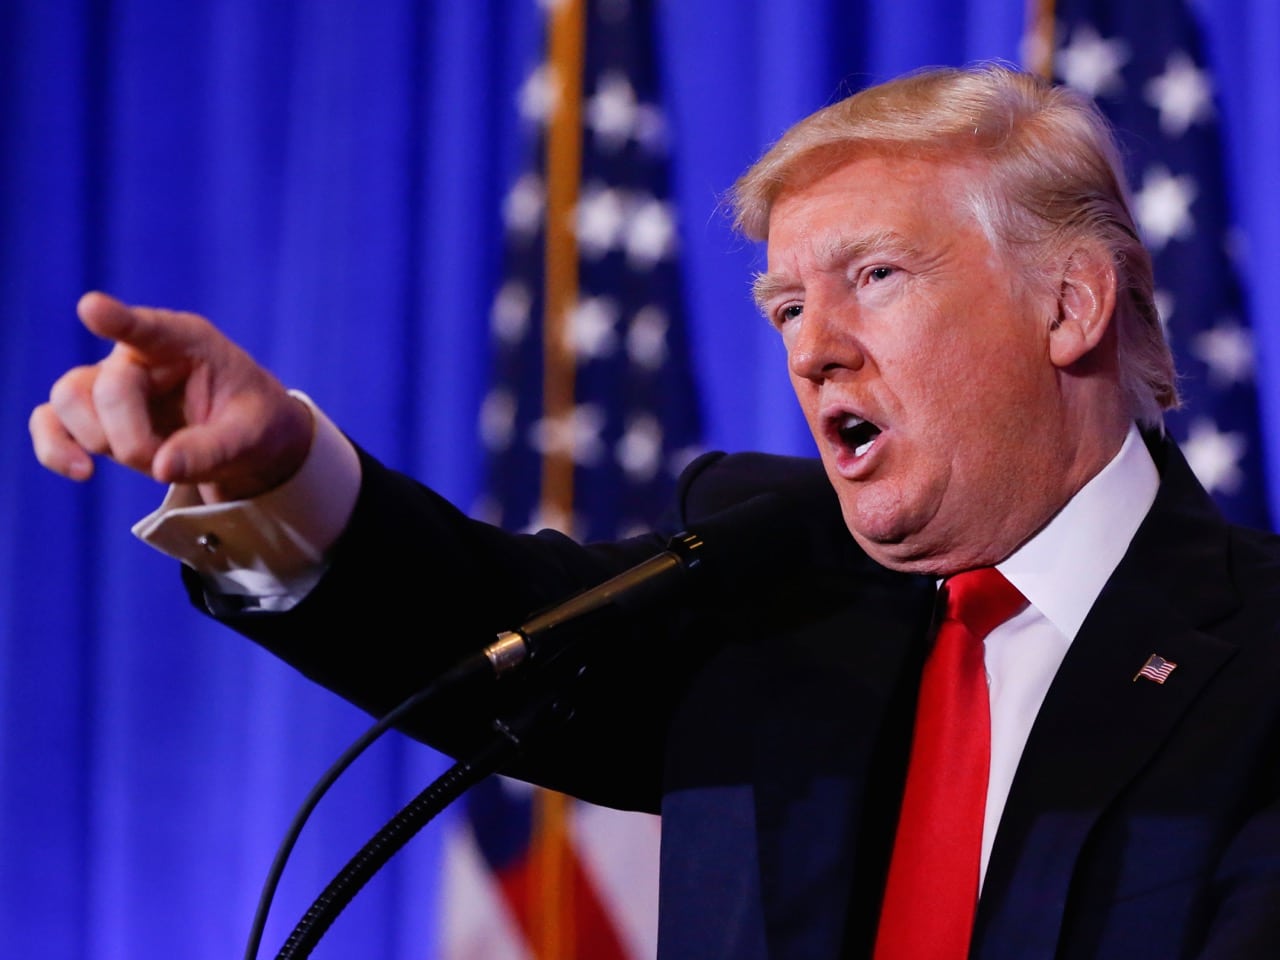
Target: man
970,331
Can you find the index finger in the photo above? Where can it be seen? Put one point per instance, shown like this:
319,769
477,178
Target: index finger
153,333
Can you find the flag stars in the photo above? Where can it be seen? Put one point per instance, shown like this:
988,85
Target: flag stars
523,206
651,234
591,332
650,129
1092,64
575,435
612,112
639,450
647,338
1227,350
641,225
510,314
601,216
540,94
1163,207
1183,94
498,419
1214,455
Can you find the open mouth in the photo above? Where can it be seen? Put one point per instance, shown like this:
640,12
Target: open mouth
856,434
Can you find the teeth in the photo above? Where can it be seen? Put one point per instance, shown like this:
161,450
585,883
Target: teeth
857,433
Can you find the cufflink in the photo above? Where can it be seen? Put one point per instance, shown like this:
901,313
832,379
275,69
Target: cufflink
209,541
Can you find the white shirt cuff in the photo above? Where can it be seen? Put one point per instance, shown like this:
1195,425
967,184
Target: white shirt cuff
271,549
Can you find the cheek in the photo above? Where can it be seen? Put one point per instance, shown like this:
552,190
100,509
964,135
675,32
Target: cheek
807,395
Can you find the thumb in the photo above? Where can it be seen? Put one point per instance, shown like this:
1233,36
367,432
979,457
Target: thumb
248,450
194,454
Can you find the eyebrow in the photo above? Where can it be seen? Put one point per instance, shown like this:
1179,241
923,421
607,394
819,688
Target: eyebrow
831,253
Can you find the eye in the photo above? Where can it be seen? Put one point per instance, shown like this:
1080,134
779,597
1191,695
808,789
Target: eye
787,312
875,274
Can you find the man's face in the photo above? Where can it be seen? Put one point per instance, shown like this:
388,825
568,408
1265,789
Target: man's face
920,361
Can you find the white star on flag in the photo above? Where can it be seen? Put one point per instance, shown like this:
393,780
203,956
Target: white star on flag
651,234
591,332
1227,350
498,418
1214,456
1163,207
601,216
577,435
1183,94
1091,64
509,316
650,129
612,111
640,448
523,205
647,338
539,94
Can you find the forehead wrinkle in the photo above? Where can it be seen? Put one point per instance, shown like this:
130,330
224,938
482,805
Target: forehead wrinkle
835,252
830,253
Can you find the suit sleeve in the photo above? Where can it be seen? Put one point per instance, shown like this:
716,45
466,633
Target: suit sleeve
414,586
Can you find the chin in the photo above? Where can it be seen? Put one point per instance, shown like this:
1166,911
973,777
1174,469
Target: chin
884,541
897,540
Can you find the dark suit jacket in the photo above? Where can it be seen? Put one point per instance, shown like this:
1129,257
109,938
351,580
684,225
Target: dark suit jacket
771,725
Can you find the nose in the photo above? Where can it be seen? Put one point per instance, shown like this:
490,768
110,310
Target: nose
822,342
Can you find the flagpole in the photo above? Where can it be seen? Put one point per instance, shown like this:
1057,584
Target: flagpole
1039,53
564,171
553,901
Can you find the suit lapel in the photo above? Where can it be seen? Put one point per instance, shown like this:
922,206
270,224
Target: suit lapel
1099,726
830,760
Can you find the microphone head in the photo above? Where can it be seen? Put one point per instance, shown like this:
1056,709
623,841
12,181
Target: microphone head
758,540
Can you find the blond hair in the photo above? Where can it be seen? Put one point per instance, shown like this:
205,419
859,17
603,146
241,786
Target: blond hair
1051,180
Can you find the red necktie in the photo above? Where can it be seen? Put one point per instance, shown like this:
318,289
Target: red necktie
932,891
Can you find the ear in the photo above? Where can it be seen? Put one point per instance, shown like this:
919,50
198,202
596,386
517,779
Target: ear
1086,302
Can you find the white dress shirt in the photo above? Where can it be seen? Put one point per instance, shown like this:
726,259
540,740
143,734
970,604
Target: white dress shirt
1061,571
270,549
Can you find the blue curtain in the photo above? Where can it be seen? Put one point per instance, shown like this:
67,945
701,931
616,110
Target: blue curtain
324,180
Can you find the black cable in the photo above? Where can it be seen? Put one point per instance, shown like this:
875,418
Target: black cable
468,669
405,825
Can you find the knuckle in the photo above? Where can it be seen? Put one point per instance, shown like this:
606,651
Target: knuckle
73,388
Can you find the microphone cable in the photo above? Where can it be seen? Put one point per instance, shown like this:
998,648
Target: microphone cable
510,737
464,671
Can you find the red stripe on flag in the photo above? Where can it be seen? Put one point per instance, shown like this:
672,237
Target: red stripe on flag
594,936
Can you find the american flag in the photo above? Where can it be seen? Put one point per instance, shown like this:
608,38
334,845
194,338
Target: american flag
1142,62
1156,668
590,418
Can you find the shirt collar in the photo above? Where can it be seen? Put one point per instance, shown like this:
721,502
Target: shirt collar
1063,568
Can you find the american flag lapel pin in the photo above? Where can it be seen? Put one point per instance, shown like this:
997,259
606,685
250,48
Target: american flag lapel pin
1156,668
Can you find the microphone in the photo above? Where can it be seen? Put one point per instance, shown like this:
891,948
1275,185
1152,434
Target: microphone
739,543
